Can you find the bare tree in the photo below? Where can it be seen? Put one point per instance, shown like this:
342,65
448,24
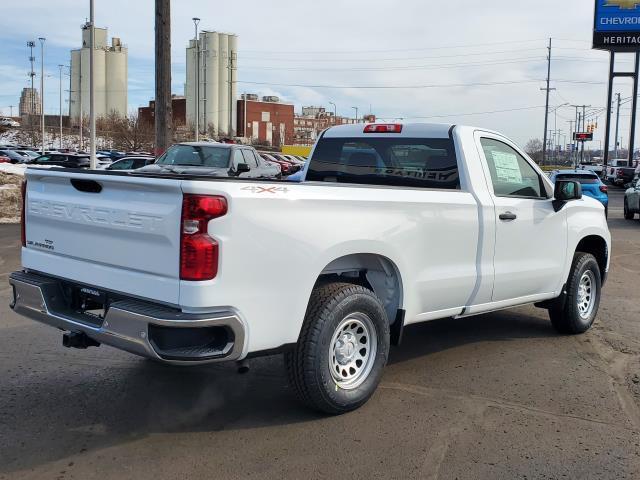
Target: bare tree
534,149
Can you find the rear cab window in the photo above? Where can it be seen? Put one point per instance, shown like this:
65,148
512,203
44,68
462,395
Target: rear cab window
583,179
398,162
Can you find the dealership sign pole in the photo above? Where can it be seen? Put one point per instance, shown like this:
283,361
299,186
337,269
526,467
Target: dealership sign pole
616,29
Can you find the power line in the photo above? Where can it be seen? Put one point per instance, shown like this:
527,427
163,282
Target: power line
392,87
461,114
346,52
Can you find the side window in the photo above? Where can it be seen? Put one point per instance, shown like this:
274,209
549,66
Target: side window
123,165
237,158
249,159
511,174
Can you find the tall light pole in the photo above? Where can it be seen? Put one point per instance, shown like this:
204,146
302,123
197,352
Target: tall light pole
61,67
335,112
356,109
42,40
92,96
196,22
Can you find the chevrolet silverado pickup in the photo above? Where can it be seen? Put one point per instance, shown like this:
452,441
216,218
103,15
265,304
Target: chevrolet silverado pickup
391,225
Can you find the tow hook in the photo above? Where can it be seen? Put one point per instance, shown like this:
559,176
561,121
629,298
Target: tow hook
78,340
243,367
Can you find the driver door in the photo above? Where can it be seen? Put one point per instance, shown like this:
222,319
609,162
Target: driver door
531,237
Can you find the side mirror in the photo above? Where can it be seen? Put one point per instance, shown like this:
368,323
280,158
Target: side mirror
566,191
242,168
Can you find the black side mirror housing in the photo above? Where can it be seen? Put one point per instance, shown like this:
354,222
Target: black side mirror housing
566,191
242,168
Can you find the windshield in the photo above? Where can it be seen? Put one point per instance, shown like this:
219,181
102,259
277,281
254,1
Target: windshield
196,156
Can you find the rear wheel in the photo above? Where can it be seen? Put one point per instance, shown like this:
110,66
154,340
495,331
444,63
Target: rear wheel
628,214
343,347
576,311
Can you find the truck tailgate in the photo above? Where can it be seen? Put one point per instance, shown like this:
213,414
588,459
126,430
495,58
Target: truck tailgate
116,232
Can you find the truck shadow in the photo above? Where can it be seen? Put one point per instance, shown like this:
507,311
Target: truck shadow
66,410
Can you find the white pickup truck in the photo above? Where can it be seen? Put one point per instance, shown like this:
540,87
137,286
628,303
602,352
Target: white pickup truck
393,225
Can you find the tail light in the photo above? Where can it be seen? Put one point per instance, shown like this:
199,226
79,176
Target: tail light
23,214
604,188
383,128
620,173
198,251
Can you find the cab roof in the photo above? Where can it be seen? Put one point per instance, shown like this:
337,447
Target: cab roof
409,130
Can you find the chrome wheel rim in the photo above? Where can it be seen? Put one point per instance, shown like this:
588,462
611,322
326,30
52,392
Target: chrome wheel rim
352,351
586,294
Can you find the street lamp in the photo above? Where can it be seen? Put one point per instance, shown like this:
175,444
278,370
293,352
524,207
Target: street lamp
60,67
356,109
335,112
196,22
92,93
42,40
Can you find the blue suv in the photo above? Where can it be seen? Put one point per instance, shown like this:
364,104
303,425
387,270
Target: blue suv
592,185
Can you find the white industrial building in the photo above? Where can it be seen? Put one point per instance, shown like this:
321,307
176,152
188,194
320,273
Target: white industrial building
110,76
217,82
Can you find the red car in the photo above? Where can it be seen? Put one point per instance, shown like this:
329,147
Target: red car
4,159
286,167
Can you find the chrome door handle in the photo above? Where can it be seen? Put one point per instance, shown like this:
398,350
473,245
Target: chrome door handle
507,216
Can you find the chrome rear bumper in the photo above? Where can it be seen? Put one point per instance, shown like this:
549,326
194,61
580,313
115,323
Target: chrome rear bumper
141,328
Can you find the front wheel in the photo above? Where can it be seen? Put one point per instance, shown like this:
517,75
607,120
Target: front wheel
343,347
628,214
576,312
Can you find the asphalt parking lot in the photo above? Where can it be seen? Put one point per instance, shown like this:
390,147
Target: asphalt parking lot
495,396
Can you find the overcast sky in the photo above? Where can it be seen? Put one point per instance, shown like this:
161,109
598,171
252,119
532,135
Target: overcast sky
472,62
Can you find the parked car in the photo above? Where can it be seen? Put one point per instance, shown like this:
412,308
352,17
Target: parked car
8,122
286,167
288,158
29,154
113,154
632,201
66,160
213,159
619,172
189,270
14,156
594,167
592,185
4,159
131,163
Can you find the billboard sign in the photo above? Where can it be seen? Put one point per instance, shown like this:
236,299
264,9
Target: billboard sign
583,136
617,25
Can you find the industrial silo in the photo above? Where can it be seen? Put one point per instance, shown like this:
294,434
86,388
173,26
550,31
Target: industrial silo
74,95
116,79
233,59
210,81
223,84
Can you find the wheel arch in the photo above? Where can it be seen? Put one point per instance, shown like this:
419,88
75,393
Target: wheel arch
375,271
598,247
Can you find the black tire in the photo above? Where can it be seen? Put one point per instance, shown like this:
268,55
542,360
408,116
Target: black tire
628,215
566,315
308,364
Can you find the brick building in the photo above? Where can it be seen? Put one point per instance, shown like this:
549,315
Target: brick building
178,104
314,120
268,121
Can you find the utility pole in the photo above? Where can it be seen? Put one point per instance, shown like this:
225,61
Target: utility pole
617,124
584,113
92,94
61,67
196,22
356,109
11,110
42,40
546,109
163,114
